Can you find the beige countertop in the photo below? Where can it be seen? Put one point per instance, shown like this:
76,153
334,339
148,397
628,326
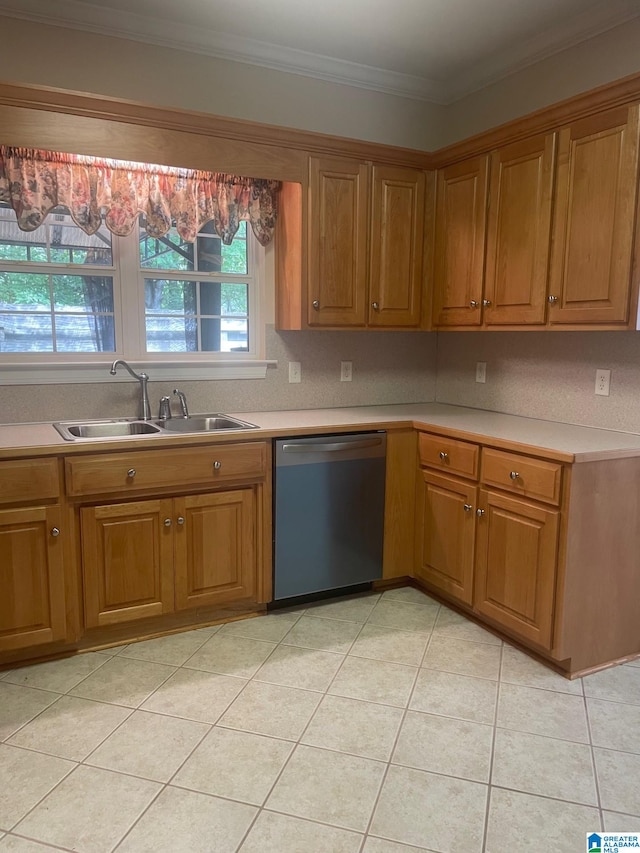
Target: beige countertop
565,442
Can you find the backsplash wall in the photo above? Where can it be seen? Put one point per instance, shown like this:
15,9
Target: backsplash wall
547,375
388,367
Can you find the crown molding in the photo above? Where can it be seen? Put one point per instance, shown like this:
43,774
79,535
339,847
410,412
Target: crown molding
594,22
71,14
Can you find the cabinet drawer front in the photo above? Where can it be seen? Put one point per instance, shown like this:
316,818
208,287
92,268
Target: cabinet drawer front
154,469
447,454
28,479
522,475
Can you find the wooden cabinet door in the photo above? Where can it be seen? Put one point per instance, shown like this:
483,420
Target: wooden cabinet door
338,229
32,590
516,565
519,232
396,248
445,534
215,548
461,202
597,180
127,555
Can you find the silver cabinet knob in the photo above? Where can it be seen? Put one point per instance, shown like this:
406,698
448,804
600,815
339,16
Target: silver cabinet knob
444,456
167,522
479,513
514,475
55,531
467,507
217,465
375,306
131,473
180,519
486,302
552,300
316,304
474,304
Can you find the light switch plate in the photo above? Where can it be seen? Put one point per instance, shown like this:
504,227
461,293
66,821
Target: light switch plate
295,371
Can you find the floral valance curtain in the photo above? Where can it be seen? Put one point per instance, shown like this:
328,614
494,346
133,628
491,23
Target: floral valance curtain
34,181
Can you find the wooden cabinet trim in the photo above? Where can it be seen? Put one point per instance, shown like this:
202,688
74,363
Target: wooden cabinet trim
448,455
536,479
176,468
26,480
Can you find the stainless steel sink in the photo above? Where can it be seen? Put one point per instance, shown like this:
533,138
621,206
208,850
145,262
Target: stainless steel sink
104,429
203,423
124,427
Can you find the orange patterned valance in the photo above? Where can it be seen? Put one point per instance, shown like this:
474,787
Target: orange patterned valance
34,181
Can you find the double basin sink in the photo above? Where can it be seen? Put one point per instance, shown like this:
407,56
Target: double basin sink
125,427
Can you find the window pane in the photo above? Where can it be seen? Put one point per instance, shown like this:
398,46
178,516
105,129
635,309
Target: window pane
165,253
171,333
208,254
163,295
234,299
24,292
85,333
58,240
89,293
25,333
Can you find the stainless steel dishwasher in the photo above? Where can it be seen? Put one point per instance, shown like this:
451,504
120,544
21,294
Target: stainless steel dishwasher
329,512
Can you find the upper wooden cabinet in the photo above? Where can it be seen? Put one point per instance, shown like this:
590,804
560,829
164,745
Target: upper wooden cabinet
519,232
594,219
461,205
540,232
350,248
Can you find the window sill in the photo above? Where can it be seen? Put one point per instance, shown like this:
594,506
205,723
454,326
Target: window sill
76,374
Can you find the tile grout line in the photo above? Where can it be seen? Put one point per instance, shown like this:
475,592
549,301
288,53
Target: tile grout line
493,754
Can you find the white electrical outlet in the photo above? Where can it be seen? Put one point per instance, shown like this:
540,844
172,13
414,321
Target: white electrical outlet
295,371
346,371
603,379
481,371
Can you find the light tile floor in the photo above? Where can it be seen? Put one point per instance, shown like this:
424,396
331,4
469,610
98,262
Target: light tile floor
373,724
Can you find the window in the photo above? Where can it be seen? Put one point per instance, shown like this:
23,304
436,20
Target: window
66,296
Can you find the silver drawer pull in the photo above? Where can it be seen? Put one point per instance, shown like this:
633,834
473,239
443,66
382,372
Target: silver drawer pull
486,302
479,513
316,304
167,522
552,300
514,475
217,465
375,306
180,520
131,473
443,455
55,531
474,304
467,507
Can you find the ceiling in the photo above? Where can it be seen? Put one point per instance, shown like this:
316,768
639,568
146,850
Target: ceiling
432,50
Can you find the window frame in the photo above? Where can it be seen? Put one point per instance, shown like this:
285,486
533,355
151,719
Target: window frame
129,325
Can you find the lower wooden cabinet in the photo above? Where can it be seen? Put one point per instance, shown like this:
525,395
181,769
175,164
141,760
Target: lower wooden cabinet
151,557
492,550
215,549
127,561
515,566
32,578
446,534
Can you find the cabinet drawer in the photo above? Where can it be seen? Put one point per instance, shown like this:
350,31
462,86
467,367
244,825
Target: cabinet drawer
447,454
532,478
121,472
28,479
